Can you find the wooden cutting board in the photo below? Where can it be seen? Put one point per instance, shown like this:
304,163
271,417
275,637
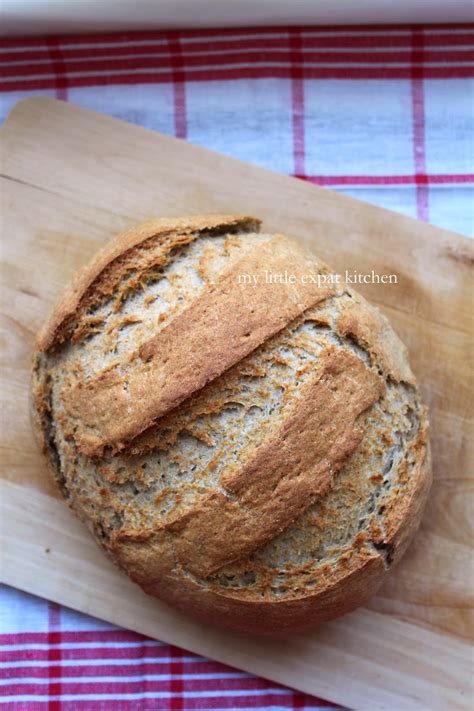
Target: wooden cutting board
71,180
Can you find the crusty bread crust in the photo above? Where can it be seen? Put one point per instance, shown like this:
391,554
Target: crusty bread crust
348,587
295,473
109,261
196,347
344,424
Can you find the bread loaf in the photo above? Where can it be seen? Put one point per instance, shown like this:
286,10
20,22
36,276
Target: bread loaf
241,432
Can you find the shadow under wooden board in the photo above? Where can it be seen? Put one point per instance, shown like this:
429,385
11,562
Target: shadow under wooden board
73,179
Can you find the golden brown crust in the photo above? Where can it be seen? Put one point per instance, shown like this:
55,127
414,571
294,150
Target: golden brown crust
297,464
196,347
343,590
371,330
343,427
106,264
403,516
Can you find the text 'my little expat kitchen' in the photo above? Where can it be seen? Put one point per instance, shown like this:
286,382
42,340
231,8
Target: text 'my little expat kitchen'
286,277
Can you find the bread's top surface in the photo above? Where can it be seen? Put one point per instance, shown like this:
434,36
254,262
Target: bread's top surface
261,439
196,342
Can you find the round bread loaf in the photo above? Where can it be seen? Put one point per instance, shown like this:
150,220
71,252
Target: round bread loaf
242,433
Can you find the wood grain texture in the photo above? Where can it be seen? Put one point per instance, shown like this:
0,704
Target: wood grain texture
73,179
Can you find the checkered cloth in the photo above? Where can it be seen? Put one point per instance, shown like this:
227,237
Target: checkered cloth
383,114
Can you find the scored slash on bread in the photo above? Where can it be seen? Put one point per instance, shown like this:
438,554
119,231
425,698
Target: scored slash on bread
252,452
199,344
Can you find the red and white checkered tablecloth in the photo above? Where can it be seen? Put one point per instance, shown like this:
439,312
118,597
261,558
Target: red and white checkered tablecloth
382,113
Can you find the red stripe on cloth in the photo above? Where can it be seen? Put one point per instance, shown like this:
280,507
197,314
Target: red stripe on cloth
85,652
168,686
171,687
112,635
454,47
269,700
299,700
179,84
141,670
420,179
58,67
54,655
297,100
158,704
386,40
123,668
180,60
176,680
418,118
218,74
